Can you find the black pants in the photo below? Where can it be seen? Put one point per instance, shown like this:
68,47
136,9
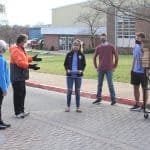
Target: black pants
19,93
1,99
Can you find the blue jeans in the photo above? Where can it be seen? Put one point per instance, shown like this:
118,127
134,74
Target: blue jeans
109,82
70,81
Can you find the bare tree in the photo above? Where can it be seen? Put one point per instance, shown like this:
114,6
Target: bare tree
93,22
126,7
6,33
10,33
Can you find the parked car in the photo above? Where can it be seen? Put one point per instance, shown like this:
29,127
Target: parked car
35,43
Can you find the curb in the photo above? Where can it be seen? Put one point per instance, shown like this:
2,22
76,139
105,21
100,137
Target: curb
83,94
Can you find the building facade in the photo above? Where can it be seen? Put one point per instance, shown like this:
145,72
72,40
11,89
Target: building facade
35,33
61,38
121,30
141,25
67,15
65,27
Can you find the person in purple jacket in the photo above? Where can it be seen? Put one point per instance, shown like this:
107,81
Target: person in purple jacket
4,80
108,61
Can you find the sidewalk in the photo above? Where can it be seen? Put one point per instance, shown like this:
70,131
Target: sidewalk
124,91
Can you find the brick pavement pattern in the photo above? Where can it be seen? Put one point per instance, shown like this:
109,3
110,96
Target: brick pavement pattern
99,127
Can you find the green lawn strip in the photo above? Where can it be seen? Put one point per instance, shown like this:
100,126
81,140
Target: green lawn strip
53,64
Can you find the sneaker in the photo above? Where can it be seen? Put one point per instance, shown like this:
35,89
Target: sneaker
142,109
26,114
5,124
19,116
67,109
2,127
135,108
96,101
78,110
113,102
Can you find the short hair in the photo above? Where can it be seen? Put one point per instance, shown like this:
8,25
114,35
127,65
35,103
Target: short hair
141,35
21,38
103,34
3,46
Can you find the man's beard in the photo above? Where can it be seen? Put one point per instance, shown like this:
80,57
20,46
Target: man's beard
137,42
103,40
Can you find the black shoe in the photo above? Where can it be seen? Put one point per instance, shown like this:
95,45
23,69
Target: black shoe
5,124
142,109
113,102
2,127
135,108
96,102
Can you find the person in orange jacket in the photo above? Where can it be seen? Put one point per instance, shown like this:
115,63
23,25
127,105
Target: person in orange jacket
19,72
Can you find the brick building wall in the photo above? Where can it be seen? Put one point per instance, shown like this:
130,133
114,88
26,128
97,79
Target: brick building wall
51,41
143,26
111,27
86,40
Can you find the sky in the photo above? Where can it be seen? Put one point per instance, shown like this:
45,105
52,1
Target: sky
33,12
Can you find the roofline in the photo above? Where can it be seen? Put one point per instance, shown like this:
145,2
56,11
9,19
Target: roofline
70,5
84,32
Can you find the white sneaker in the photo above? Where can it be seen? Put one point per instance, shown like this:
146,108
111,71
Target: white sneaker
26,114
19,116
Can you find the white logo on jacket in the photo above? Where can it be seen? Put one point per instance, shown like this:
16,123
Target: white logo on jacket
80,57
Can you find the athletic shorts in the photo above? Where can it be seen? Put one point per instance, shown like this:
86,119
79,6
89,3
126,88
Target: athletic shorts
138,78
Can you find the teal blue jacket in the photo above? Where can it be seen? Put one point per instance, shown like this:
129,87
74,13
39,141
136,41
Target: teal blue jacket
4,74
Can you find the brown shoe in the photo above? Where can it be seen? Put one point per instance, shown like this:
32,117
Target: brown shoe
67,110
78,110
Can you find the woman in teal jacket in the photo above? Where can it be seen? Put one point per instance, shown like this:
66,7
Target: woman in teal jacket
4,80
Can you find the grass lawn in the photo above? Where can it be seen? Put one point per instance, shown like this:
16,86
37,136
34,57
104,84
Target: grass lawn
53,64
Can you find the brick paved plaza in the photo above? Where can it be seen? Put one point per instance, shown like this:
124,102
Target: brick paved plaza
99,127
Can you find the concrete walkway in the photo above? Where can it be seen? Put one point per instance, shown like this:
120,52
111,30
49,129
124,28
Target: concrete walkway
124,91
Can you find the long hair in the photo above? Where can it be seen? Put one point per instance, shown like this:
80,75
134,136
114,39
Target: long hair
77,41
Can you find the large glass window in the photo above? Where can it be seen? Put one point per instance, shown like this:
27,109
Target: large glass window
65,42
125,30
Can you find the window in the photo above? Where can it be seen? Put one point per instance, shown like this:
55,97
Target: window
65,42
125,30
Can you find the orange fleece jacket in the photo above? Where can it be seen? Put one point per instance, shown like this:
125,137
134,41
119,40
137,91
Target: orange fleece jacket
19,57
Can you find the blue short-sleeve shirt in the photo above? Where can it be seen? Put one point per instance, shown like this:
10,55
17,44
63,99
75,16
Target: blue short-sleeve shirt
137,54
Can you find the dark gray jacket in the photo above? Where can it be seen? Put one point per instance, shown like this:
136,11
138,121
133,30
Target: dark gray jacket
18,74
81,62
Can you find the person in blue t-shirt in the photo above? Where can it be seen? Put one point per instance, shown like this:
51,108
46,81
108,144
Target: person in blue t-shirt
4,80
74,65
138,76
